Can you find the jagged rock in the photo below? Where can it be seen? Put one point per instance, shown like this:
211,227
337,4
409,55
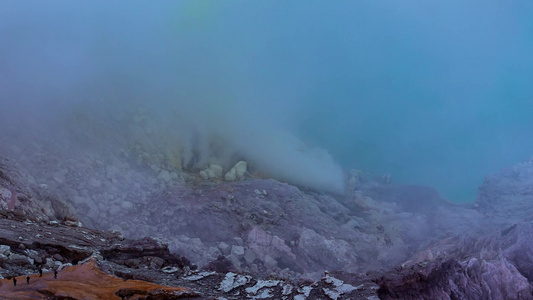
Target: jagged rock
58,257
193,248
220,265
231,175
237,172
156,262
132,263
49,263
213,252
270,262
260,284
338,287
263,244
200,275
233,281
216,169
236,262
249,256
238,241
468,267
18,259
238,251
224,248
333,252
240,169
213,171
506,196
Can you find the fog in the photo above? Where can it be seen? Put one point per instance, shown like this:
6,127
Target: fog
436,94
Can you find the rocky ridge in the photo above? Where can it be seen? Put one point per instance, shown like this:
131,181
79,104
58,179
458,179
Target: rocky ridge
31,242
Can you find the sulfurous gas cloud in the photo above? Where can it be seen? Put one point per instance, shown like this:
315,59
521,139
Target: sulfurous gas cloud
434,93
78,77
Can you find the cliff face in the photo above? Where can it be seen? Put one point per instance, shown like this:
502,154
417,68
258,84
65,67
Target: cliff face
489,262
261,238
506,196
491,266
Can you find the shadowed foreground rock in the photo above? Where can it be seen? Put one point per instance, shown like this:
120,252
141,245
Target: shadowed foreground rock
87,281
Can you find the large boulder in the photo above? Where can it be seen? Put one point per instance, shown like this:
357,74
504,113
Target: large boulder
237,172
216,170
213,171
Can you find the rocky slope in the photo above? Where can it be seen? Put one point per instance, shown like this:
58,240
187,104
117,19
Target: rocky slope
261,225
259,238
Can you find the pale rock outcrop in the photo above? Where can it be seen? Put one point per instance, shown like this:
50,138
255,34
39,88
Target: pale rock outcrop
237,172
238,251
263,244
204,175
216,169
506,196
240,169
224,248
230,176
336,253
213,171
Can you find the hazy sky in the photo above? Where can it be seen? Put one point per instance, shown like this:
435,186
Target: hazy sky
434,92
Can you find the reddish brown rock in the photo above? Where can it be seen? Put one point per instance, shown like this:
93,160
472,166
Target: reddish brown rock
87,281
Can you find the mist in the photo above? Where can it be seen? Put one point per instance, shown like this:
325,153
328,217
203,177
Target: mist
433,93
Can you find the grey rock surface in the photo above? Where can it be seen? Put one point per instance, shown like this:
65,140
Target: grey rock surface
506,196
375,241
